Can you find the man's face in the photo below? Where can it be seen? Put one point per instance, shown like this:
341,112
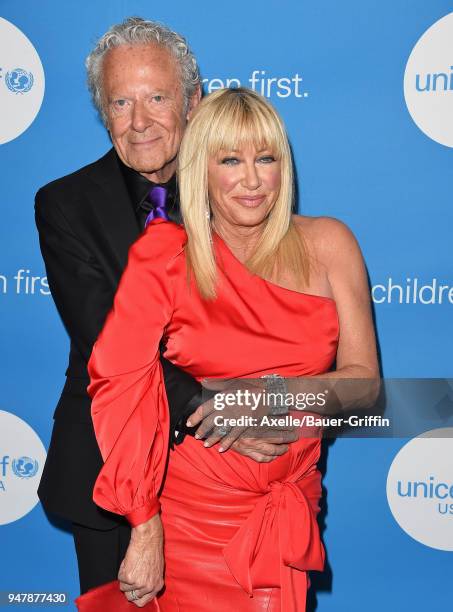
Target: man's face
144,104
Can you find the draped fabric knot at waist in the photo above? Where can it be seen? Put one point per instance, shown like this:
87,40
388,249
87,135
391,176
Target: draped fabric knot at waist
280,541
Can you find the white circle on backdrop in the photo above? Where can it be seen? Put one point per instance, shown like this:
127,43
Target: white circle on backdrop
428,82
420,488
22,457
21,82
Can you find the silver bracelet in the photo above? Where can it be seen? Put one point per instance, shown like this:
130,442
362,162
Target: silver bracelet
276,390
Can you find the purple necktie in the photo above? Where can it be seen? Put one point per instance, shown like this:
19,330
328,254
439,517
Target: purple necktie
157,197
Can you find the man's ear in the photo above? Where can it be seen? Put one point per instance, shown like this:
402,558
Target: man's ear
194,101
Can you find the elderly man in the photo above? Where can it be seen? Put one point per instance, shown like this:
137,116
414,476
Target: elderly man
145,83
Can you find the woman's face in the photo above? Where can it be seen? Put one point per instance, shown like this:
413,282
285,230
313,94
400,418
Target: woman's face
243,186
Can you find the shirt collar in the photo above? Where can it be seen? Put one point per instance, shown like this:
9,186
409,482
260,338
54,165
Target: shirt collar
138,186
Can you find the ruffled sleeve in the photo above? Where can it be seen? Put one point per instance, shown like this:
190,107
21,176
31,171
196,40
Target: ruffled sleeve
129,405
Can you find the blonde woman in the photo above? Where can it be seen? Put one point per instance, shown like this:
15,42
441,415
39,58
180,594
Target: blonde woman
245,289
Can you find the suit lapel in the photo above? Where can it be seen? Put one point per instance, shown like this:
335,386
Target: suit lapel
112,205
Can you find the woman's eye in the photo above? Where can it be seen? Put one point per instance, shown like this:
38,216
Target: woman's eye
266,159
229,161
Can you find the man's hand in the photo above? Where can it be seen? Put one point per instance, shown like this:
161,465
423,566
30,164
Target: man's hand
264,450
141,573
262,443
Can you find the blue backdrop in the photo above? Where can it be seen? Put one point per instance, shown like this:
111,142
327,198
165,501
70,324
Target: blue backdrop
339,70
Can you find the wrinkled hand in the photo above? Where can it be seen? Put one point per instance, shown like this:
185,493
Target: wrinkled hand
264,450
261,443
142,569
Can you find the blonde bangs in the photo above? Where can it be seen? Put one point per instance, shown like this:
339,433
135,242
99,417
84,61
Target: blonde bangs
243,122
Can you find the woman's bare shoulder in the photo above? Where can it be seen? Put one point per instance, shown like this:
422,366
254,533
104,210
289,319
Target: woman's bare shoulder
326,235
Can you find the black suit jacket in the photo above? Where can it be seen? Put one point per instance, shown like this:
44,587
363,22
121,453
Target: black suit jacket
86,225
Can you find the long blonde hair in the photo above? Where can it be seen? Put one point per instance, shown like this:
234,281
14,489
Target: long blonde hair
225,120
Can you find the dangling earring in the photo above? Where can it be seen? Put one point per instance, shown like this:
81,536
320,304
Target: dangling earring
210,226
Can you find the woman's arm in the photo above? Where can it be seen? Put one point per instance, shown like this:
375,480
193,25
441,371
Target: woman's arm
356,377
129,405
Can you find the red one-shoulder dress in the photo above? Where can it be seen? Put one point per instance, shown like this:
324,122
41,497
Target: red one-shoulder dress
239,535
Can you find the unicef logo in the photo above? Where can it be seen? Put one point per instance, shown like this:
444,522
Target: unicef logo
22,456
19,80
420,488
428,82
25,467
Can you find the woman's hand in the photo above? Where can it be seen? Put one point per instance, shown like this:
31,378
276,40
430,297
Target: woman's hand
141,573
